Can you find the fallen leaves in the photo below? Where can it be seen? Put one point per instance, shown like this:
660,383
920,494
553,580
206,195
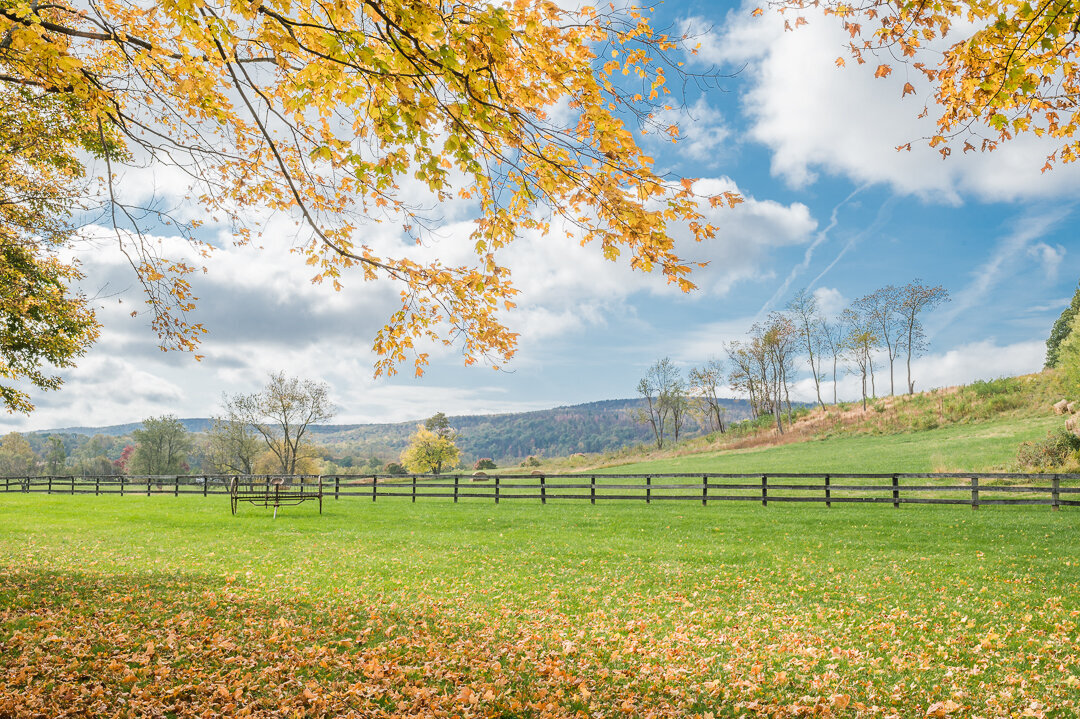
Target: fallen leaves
156,655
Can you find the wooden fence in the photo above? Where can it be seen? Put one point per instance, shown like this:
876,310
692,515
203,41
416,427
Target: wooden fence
974,489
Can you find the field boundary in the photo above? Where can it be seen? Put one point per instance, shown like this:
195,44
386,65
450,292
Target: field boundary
973,489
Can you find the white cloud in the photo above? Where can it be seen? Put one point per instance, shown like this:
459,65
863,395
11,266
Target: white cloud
984,360
816,117
702,132
830,301
1049,257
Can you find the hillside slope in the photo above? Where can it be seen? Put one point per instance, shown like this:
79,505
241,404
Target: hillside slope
973,427
591,427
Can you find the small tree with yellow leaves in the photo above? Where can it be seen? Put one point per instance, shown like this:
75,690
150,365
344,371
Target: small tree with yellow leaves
429,452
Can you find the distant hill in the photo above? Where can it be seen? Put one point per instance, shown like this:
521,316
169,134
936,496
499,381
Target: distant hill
191,424
591,427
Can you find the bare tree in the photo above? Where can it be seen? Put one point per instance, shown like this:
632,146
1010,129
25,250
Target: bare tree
807,318
916,298
660,382
742,377
882,310
678,404
231,443
859,345
832,337
704,383
772,347
282,413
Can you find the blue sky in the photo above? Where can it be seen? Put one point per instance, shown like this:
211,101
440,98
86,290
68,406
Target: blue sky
830,206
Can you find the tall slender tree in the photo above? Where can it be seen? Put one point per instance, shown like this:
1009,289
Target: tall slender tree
883,314
860,342
915,299
804,312
661,383
705,381
832,332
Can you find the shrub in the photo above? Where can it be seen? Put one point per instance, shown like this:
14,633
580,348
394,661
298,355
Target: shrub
531,461
395,468
484,463
1059,448
1001,385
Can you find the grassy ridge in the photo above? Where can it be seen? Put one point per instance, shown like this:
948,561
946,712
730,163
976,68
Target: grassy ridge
986,446
521,610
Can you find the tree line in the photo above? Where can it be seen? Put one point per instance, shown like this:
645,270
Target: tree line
884,326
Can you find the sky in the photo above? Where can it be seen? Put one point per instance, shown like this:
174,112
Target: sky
830,205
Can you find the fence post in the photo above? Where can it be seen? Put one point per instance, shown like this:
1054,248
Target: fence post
73,484
457,481
205,485
974,492
374,486
764,491
147,486
1055,493
50,484
176,486
592,491
496,489
337,486
648,490
121,485
704,490
414,489
828,493
543,489
895,492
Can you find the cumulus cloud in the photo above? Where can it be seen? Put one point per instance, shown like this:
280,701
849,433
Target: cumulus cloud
264,313
964,364
815,117
830,301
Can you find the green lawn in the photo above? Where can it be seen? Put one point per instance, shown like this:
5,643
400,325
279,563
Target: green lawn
983,446
169,606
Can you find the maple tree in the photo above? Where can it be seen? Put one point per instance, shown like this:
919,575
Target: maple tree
999,67
323,111
43,321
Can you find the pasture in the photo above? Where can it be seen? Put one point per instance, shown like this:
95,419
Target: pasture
169,606
983,446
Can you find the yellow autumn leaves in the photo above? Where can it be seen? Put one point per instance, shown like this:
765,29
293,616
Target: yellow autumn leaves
323,111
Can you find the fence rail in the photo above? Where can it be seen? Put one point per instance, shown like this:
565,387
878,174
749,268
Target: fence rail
974,489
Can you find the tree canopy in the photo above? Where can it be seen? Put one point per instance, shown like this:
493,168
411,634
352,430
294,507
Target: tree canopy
430,452
323,111
998,68
1061,330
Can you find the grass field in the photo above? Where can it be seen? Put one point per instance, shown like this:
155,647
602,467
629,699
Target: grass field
985,446
167,606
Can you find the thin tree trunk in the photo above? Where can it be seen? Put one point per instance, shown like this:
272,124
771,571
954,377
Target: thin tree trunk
873,387
834,399
910,384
